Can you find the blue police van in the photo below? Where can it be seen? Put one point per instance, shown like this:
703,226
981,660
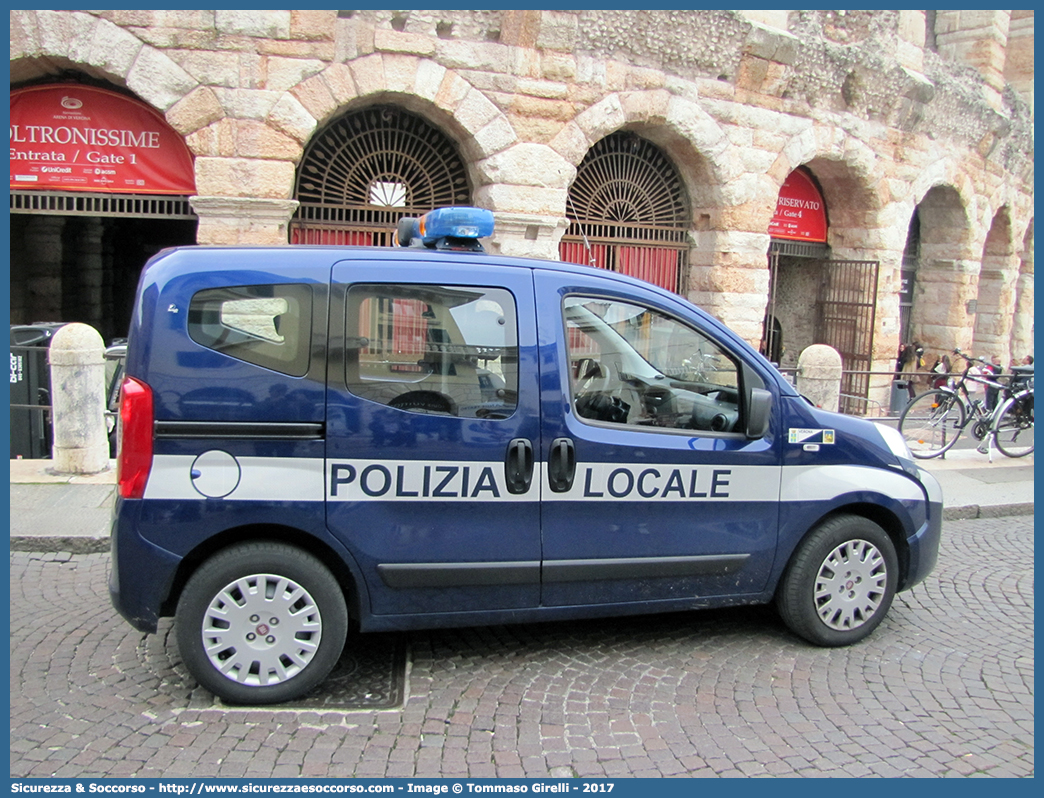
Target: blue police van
429,436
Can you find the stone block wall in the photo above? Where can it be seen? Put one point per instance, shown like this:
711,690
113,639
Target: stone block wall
882,106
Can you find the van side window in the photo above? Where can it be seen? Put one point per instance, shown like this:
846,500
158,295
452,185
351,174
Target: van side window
450,350
634,365
267,325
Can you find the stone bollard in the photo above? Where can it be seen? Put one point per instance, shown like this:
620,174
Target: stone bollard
819,376
81,445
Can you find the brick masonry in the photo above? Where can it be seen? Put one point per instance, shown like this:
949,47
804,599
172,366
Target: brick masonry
888,112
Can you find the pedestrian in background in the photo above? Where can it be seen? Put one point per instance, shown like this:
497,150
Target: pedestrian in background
909,362
992,370
941,370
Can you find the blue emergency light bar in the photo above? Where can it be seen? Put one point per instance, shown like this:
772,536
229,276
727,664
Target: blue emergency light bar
447,228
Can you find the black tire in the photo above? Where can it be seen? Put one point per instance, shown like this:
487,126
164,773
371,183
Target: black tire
931,423
832,608
281,651
1013,434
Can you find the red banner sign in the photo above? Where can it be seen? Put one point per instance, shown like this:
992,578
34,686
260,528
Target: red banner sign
70,137
800,210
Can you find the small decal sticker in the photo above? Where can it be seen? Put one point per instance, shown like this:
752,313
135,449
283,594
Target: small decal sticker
825,436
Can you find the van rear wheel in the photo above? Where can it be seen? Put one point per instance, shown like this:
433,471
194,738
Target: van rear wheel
261,623
840,582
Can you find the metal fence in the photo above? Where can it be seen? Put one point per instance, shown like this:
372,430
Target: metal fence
899,389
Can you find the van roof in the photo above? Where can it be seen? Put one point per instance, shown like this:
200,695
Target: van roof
298,252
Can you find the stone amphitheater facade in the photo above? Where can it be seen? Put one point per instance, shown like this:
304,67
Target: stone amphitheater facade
892,112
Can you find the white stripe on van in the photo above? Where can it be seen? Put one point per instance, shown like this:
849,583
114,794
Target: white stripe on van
313,479
671,483
259,479
821,483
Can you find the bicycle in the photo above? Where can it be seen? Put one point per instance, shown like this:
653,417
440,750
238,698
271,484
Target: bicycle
1013,419
933,421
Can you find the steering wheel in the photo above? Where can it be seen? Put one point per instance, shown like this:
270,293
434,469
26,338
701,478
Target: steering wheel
592,376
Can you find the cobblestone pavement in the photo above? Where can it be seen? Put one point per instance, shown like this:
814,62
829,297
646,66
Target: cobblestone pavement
943,688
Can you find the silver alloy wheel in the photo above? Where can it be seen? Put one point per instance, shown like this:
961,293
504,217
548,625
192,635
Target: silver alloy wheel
850,585
261,629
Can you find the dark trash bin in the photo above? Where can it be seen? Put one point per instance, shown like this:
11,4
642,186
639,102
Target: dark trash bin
31,428
900,396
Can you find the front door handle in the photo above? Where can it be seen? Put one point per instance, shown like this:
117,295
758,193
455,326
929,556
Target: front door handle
518,466
561,465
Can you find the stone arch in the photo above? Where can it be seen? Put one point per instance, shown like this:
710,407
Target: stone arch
995,297
723,256
367,168
524,183
946,272
420,85
952,175
82,266
629,211
860,227
683,130
44,40
846,170
1022,327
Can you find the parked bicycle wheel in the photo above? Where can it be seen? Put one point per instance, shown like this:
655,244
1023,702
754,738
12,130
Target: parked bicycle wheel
1013,433
931,423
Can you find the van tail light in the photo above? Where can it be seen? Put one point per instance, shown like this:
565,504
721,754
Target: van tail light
134,458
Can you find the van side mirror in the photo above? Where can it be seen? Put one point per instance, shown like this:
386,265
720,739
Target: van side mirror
759,412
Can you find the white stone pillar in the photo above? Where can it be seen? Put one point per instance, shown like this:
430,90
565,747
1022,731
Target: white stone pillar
819,376
81,445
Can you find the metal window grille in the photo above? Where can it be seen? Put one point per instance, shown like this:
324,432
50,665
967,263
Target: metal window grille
370,168
628,212
77,203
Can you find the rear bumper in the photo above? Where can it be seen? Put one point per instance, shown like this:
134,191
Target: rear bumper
142,574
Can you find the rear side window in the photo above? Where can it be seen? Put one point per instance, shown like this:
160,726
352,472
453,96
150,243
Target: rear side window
267,325
447,350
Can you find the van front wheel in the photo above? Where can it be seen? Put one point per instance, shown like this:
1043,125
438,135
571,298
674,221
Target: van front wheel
840,582
261,623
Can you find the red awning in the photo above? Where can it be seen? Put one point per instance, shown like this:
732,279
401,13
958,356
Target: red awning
70,137
800,210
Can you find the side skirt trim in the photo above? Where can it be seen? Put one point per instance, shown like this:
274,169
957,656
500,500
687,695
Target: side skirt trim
453,574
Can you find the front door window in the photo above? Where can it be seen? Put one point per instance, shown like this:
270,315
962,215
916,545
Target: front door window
635,366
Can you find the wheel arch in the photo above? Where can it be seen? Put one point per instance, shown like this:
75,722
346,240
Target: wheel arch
882,516
348,578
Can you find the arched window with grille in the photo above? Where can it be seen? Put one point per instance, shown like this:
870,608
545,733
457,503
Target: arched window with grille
628,212
369,168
